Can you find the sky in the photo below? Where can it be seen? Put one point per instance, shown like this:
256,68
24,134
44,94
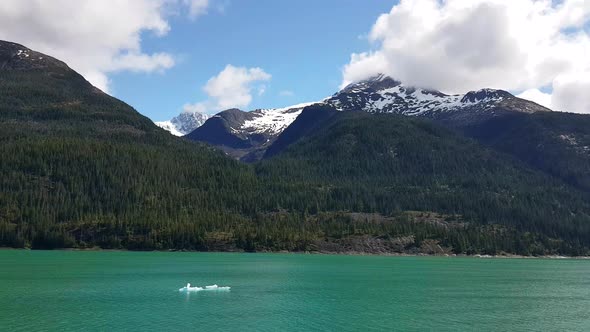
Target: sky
164,57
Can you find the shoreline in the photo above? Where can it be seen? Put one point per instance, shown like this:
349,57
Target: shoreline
351,253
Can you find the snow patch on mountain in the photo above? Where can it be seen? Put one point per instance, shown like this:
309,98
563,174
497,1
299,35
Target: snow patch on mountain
274,120
22,53
382,94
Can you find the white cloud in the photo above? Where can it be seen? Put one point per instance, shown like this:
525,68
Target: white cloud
195,108
142,62
232,87
569,94
364,65
94,37
261,89
536,95
572,92
197,7
460,45
98,79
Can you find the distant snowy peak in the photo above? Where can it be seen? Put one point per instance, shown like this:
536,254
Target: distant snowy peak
272,121
188,121
184,123
382,94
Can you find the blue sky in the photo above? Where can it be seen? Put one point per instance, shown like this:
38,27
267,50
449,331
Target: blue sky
302,44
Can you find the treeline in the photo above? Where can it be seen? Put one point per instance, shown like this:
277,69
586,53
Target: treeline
325,232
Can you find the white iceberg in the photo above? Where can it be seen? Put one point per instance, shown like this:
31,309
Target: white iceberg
215,287
188,288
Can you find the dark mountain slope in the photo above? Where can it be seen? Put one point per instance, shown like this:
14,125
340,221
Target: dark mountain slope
384,163
245,135
43,93
556,143
311,118
218,130
79,166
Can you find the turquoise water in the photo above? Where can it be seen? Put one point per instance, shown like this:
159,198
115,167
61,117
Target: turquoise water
138,291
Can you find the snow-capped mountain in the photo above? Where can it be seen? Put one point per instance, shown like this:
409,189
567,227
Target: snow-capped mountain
382,94
184,123
246,135
272,120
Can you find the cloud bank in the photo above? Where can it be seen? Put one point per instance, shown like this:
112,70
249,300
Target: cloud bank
231,88
94,37
459,45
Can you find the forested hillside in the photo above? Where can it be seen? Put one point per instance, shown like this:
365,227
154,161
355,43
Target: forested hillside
81,169
384,163
554,142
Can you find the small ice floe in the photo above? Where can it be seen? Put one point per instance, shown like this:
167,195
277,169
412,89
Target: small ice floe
215,287
188,288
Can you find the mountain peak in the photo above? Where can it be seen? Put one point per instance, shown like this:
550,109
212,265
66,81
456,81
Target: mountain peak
383,94
43,90
377,82
183,123
14,56
485,95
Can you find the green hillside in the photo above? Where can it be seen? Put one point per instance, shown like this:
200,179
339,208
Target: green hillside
79,168
554,142
386,164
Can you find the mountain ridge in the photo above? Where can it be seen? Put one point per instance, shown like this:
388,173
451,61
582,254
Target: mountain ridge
378,94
